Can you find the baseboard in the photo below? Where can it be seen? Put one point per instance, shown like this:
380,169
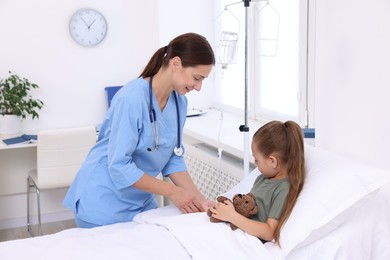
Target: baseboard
46,218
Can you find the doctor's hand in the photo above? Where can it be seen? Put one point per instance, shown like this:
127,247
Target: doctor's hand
206,204
185,201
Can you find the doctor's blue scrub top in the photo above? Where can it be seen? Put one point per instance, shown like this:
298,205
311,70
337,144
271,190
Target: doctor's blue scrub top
102,192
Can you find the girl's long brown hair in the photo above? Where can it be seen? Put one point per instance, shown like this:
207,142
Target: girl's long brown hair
193,49
284,141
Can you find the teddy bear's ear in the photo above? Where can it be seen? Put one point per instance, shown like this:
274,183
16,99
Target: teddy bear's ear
238,195
251,194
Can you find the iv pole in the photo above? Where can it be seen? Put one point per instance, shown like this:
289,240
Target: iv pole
245,128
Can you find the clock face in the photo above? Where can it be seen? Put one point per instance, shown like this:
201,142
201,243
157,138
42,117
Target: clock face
88,27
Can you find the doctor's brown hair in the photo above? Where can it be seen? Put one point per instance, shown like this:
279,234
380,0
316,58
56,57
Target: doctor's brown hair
193,49
285,142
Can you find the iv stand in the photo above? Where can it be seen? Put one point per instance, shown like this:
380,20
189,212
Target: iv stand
245,128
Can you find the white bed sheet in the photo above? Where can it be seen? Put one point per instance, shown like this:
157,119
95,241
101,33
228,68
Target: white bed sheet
358,228
166,234
129,240
119,241
205,240
157,234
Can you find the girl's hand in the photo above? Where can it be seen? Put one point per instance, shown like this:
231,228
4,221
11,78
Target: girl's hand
224,211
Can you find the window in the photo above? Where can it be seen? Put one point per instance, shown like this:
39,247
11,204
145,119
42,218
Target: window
277,59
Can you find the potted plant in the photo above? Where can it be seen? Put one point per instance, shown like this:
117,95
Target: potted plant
16,103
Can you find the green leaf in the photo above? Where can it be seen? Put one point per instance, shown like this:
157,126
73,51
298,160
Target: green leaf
15,98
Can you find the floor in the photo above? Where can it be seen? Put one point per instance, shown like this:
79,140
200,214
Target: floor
47,228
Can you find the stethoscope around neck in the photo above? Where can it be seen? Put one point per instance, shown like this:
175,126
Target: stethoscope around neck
153,120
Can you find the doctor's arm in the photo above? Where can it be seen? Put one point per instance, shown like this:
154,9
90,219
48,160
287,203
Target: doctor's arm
182,192
184,180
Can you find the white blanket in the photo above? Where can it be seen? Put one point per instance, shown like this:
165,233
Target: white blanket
167,234
119,241
156,234
205,240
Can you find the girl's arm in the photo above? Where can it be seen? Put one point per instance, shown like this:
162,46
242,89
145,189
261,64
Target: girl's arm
225,211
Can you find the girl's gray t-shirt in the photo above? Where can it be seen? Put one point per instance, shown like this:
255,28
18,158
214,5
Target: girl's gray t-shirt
270,197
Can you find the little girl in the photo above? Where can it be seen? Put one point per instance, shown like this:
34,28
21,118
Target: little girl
278,150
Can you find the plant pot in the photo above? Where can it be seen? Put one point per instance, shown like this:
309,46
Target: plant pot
10,124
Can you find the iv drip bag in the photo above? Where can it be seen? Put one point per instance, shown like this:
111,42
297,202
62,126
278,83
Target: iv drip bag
228,48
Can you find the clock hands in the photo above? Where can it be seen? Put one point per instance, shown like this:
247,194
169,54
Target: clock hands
86,24
89,27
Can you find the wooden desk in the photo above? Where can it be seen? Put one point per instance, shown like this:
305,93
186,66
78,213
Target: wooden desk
15,161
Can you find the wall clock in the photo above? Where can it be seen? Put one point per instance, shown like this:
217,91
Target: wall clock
88,27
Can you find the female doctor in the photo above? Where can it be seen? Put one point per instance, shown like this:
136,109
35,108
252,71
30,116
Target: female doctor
141,137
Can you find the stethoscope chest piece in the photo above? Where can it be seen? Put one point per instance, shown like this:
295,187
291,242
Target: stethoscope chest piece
178,151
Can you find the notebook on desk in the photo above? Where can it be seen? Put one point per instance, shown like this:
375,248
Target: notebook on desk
23,139
195,112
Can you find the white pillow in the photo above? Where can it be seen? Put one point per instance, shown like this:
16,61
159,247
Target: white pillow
333,184
244,186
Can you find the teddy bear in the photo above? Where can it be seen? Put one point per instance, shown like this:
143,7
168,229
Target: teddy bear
245,204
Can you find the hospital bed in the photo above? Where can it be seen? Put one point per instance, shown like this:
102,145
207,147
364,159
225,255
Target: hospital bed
343,212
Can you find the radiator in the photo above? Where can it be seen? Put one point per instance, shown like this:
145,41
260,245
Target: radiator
211,174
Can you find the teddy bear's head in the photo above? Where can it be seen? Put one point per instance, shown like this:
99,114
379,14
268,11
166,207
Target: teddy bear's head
245,204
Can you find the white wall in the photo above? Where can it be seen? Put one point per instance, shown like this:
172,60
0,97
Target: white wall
352,79
181,16
35,43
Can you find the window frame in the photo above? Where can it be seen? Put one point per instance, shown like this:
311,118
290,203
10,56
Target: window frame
305,115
